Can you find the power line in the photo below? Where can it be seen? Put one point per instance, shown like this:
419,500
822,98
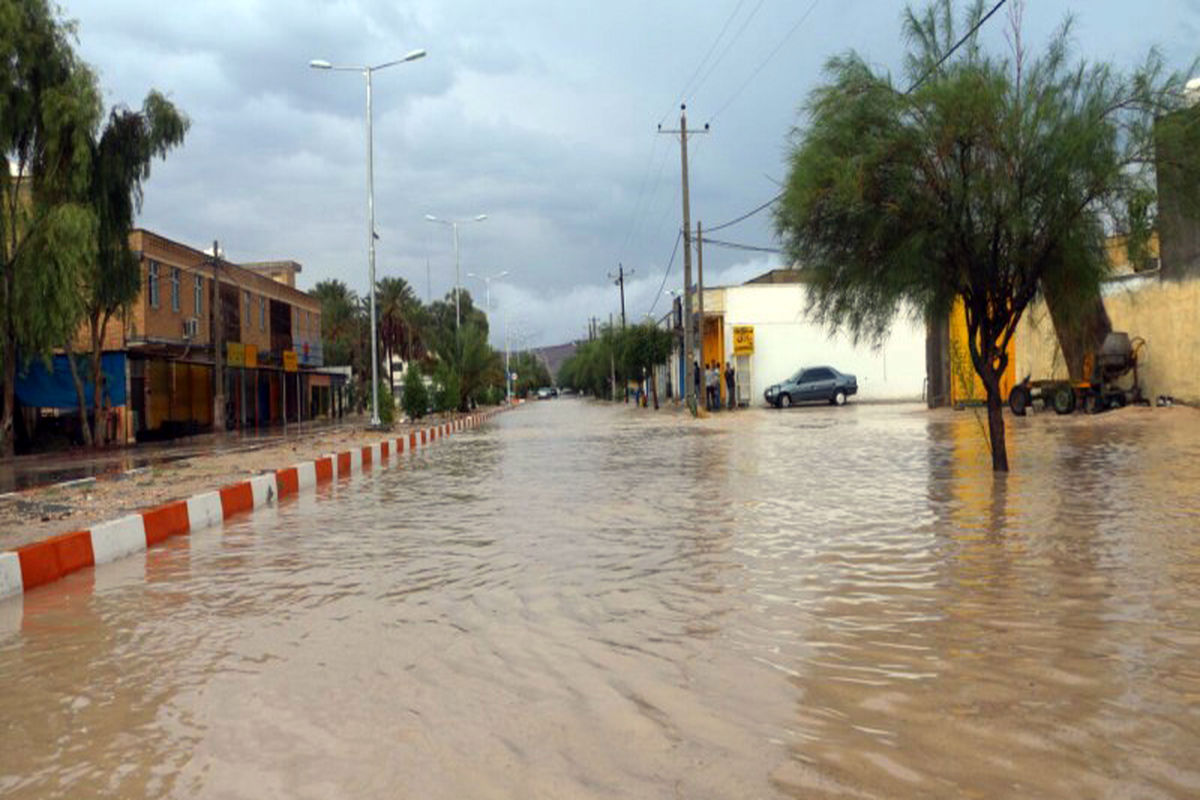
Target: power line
688,85
728,46
762,65
670,263
958,44
747,215
738,246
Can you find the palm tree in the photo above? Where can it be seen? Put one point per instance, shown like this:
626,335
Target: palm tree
394,300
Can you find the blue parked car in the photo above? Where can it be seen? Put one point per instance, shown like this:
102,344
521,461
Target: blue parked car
812,384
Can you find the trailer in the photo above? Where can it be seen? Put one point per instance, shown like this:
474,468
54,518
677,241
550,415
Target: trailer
1117,357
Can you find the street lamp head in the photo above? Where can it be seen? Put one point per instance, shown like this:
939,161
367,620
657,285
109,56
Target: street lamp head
481,218
502,274
320,63
414,55
432,218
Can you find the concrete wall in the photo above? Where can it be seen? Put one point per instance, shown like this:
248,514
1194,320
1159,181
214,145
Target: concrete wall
785,339
1164,313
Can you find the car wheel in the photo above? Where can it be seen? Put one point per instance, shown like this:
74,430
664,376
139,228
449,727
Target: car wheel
785,400
839,398
1018,400
1063,399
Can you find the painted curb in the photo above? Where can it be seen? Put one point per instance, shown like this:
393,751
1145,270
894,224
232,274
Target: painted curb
40,563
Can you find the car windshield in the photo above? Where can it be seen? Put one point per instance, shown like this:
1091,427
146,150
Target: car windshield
796,378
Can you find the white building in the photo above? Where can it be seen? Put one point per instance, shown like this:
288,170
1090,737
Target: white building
773,306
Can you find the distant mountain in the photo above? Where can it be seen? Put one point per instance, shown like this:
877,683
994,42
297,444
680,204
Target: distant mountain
554,356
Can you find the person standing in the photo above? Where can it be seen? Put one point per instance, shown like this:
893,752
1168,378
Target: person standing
713,390
730,383
696,375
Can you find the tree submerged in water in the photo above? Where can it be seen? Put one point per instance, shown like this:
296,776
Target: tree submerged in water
990,179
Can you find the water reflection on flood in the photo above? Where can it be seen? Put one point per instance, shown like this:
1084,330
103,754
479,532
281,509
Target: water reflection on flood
581,601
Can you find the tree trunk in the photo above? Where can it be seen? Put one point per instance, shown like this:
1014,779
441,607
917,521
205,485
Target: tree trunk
81,394
99,323
995,407
10,378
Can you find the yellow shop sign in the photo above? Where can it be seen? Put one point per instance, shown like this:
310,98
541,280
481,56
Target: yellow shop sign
743,340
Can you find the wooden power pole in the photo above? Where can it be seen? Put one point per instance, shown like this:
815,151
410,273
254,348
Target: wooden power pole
688,346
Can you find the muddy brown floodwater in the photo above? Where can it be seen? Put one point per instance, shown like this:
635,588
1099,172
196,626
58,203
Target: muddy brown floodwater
577,601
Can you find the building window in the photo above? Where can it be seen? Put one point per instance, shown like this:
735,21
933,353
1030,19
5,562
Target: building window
152,283
262,313
199,298
175,289
249,313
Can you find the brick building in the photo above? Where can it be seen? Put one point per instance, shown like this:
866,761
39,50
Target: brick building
159,356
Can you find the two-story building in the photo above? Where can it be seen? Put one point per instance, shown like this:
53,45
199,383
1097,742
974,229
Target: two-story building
161,356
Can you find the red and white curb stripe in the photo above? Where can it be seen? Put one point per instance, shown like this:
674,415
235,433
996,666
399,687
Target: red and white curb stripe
46,561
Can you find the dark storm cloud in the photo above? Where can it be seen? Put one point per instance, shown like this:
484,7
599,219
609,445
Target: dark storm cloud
540,114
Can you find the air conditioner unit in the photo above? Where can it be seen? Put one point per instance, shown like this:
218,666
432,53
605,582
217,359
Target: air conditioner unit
191,327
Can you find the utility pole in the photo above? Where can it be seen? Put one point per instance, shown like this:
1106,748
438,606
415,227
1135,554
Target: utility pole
700,298
218,339
612,361
689,351
619,280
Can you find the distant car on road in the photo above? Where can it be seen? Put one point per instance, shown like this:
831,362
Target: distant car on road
812,384
545,393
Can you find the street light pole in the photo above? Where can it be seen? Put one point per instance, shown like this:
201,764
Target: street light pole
367,72
487,285
454,223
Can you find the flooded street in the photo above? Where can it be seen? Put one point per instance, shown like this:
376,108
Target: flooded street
577,601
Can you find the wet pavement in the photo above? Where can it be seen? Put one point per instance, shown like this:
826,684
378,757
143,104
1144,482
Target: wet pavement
80,464
578,601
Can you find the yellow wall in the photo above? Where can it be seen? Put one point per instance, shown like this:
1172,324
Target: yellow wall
965,384
713,346
1164,313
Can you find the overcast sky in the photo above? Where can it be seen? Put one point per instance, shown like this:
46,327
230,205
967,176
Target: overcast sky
540,114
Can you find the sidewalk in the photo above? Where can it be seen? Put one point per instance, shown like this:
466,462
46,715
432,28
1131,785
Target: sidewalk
104,485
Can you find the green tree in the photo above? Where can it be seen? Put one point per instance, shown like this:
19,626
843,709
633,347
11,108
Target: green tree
397,309
387,404
416,396
645,347
446,393
340,322
120,164
991,180
49,106
594,365
473,361
531,372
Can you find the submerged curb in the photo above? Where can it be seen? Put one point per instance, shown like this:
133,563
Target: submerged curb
49,560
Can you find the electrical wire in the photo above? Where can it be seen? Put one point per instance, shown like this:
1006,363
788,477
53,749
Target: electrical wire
738,246
729,46
762,65
974,28
666,274
748,214
688,85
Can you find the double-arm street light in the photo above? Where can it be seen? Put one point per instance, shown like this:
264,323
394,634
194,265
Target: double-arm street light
454,223
366,73
487,285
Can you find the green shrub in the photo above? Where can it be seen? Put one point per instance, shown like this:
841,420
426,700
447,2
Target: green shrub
416,396
387,405
446,394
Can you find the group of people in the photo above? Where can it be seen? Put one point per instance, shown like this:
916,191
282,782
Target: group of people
712,384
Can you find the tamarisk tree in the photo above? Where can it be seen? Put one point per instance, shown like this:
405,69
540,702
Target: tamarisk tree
987,177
